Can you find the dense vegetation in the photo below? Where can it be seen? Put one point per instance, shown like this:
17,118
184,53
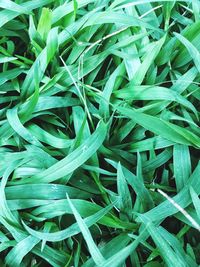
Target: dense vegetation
99,135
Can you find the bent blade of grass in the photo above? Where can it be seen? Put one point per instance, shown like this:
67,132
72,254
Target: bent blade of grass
7,15
16,255
37,191
71,230
6,59
193,51
5,211
161,127
16,232
154,93
175,243
119,18
50,255
73,160
9,74
82,96
48,138
50,102
158,161
7,244
140,2
85,209
93,249
10,5
17,126
39,65
131,64
185,80
25,111
67,8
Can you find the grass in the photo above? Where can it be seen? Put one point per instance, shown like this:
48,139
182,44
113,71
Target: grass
99,133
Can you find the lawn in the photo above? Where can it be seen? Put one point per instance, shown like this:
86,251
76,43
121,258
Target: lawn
99,133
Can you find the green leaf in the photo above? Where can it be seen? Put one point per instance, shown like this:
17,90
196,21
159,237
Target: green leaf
158,126
6,59
166,251
196,201
182,165
73,160
16,255
93,249
183,199
44,24
123,191
99,101
75,7
153,93
70,231
10,5
148,60
121,256
52,43
193,51
13,119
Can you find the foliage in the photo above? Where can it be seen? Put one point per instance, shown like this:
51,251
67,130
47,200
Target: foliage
99,133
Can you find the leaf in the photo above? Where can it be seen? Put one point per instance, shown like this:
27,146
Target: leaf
52,43
165,250
182,165
48,138
196,201
123,191
75,3
73,160
6,59
148,60
160,127
8,15
93,249
121,256
99,101
153,93
17,126
70,231
44,24
37,191
110,248
183,199
194,53
10,5
16,255
137,185
109,86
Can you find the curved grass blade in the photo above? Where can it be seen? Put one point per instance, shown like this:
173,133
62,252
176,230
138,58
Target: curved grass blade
161,127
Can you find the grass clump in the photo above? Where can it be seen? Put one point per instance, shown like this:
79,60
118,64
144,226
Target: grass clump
99,133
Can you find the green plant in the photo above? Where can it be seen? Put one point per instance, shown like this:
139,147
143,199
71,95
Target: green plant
99,133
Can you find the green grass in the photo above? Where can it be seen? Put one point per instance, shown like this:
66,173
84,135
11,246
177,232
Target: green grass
99,133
